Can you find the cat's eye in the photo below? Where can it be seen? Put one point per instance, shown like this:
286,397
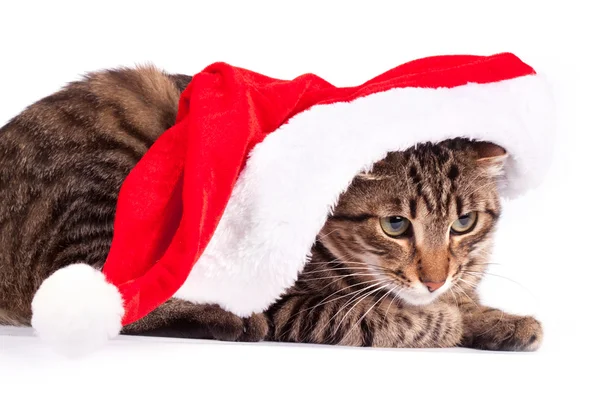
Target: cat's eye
464,223
395,226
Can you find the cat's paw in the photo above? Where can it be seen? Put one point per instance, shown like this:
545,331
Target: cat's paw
505,332
229,327
527,335
183,319
256,328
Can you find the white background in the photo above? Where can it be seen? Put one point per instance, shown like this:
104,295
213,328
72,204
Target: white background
547,244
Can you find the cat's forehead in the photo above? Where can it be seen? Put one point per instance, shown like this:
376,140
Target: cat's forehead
433,163
429,176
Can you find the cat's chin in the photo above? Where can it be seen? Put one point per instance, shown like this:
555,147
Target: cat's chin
418,298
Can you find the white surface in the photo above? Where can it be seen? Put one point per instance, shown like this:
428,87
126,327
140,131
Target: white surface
171,374
547,242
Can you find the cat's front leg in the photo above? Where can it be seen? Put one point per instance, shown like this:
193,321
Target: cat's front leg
184,319
370,322
436,325
488,328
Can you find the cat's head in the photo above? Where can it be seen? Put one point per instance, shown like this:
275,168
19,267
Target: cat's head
422,219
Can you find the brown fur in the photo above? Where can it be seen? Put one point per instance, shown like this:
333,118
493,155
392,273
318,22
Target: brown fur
63,160
359,287
183,319
62,163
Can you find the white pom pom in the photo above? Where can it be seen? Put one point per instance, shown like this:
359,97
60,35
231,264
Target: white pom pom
76,310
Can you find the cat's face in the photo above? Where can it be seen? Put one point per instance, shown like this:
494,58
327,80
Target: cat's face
421,221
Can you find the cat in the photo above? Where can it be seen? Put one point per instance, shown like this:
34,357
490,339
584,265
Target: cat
64,158
62,162
398,262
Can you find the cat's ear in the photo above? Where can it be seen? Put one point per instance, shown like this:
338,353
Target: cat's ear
491,156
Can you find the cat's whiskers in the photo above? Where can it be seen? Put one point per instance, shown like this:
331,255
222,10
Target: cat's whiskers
359,263
469,283
366,269
347,266
334,261
454,296
489,263
329,233
458,288
393,301
327,299
355,296
334,278
484,273
368,311
354,306
351,286
365,274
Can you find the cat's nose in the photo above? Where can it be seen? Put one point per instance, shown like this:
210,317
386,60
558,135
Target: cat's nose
432,286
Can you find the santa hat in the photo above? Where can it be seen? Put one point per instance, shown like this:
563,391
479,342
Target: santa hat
226,205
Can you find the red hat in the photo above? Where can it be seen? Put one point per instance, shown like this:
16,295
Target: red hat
226,205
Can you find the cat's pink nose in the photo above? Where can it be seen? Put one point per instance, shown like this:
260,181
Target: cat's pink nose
432,286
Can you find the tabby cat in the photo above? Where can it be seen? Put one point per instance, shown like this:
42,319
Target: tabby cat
396,265
398,262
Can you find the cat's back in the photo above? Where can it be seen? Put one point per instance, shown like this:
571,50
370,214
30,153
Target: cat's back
62,162
131,105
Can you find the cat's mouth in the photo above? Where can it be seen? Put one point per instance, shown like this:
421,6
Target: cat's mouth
419,297
418,294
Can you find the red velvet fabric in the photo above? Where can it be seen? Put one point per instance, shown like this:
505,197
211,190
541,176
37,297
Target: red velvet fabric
171,203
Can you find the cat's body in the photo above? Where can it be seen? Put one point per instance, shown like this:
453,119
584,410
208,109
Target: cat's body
63,160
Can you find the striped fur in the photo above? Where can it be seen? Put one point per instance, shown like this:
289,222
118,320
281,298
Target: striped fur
364,288
62,162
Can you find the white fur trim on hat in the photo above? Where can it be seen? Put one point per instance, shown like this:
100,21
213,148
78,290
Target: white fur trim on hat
293,179
76,310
